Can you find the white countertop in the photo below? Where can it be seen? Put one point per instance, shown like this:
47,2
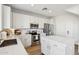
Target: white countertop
67,43
62,39
17,49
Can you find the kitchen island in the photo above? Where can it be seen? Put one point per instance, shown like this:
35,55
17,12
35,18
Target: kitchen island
16,49
57,45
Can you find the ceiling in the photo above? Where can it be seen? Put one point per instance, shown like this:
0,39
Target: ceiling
56,9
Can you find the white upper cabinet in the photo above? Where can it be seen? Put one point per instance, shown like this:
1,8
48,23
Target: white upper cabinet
24,21
6,14
0,16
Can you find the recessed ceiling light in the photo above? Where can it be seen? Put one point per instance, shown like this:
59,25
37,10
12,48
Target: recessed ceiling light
32,5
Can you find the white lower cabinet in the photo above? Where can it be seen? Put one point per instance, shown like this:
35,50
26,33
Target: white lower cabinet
51,47
45,47
57,48
26,40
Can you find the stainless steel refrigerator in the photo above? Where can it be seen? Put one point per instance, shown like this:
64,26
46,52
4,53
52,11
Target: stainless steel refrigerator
48,29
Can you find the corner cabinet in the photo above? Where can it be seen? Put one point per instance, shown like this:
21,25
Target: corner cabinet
5,16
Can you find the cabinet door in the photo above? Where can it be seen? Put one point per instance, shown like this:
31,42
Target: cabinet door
28,40
58,48
22,40
48,48
6,13
43,46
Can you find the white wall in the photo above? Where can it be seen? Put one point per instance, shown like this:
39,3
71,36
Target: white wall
23,21
66,23
51,21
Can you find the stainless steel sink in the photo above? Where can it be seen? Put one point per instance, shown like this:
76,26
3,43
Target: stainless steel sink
8,42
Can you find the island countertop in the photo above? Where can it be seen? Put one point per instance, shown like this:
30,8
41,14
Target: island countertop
67,43
16,49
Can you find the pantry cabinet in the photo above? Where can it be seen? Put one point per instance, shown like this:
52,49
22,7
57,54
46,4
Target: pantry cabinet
0,16
6,13
5,16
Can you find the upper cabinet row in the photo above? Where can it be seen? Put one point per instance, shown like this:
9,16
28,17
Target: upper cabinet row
5,16
24,21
